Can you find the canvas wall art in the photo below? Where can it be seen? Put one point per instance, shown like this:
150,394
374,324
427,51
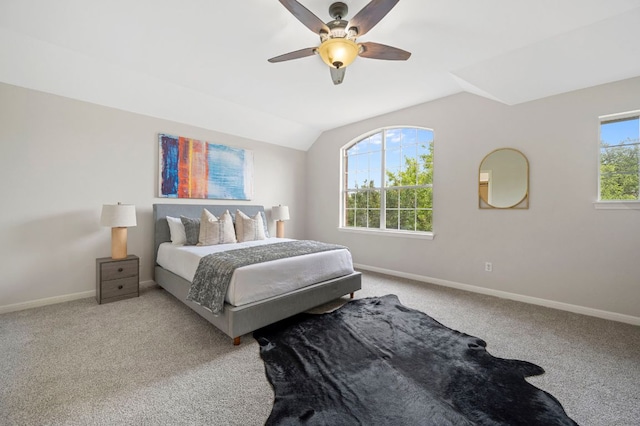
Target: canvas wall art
190,168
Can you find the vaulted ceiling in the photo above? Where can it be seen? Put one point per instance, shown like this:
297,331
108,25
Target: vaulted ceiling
204,63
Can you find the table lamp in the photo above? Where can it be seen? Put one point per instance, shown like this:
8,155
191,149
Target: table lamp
118,217
280,214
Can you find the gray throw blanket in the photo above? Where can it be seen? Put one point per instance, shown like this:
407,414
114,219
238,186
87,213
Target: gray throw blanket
214,272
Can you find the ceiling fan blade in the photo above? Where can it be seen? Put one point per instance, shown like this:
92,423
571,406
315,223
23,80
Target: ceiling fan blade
381,51
370,15
303,14
302,53
337,74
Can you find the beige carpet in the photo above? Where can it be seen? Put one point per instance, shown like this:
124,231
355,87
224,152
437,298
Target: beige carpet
152,361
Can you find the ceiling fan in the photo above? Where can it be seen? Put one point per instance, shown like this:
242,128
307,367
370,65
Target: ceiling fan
338,47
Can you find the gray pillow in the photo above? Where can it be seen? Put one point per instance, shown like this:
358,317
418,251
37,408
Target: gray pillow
191,229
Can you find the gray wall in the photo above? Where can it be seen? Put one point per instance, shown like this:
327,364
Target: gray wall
561,249
62,159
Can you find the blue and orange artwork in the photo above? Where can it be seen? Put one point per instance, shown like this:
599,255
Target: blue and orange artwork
191,168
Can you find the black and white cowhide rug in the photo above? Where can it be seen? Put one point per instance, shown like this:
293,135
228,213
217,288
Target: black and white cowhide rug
377,362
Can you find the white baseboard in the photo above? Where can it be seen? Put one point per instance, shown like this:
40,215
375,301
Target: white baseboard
51,300
614,316
46,301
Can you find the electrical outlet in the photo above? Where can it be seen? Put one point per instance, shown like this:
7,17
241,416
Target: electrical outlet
488,267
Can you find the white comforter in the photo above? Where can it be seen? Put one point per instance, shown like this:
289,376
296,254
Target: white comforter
262,280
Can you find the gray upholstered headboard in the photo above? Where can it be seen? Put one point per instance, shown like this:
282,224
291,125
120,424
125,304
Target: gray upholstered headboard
161,211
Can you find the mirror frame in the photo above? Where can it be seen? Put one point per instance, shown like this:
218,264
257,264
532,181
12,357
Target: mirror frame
523,203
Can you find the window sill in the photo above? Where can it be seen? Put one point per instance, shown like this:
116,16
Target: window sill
617,205
390,233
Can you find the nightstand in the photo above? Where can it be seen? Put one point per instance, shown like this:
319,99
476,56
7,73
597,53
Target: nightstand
117,279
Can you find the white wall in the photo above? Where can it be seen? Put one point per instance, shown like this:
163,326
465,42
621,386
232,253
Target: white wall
61,159
561,249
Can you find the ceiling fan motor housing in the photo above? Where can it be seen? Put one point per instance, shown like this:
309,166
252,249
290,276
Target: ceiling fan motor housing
337,28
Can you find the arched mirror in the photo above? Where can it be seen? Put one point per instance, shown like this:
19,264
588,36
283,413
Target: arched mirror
503,180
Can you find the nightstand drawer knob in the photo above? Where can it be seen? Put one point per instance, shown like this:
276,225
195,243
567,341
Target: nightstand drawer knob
120,287
120,269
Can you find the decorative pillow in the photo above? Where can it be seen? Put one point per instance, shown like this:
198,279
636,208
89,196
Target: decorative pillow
264,221
240,229
249,229
176,229
205,229
191,230
229,230
214,230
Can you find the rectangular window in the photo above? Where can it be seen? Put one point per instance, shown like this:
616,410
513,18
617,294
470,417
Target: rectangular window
388,181
619,171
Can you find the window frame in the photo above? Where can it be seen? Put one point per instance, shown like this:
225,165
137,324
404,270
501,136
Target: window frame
382,189
612,204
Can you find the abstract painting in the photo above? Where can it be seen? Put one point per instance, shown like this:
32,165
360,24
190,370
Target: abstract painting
191,168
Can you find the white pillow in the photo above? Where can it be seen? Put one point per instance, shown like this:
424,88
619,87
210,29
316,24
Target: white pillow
176,229
249,229
214,230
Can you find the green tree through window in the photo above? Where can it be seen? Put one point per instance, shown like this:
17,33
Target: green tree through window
620,158
388,181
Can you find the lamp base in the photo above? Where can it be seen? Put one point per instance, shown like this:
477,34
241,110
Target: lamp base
119,243
280,228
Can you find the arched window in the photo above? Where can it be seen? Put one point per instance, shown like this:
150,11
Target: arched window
387,181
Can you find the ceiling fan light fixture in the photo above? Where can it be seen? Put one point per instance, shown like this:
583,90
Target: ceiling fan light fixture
338,52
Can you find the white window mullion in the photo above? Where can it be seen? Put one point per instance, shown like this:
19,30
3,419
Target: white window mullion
383,189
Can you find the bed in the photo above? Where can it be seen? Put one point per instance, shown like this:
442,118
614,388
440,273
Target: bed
236,321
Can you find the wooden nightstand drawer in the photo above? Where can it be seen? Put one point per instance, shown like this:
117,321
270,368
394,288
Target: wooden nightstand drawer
117,279
121,287
118,270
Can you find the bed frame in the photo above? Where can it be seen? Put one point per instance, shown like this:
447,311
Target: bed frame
236,321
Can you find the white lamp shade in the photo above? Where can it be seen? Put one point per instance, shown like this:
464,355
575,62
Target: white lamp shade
280,213
118,215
